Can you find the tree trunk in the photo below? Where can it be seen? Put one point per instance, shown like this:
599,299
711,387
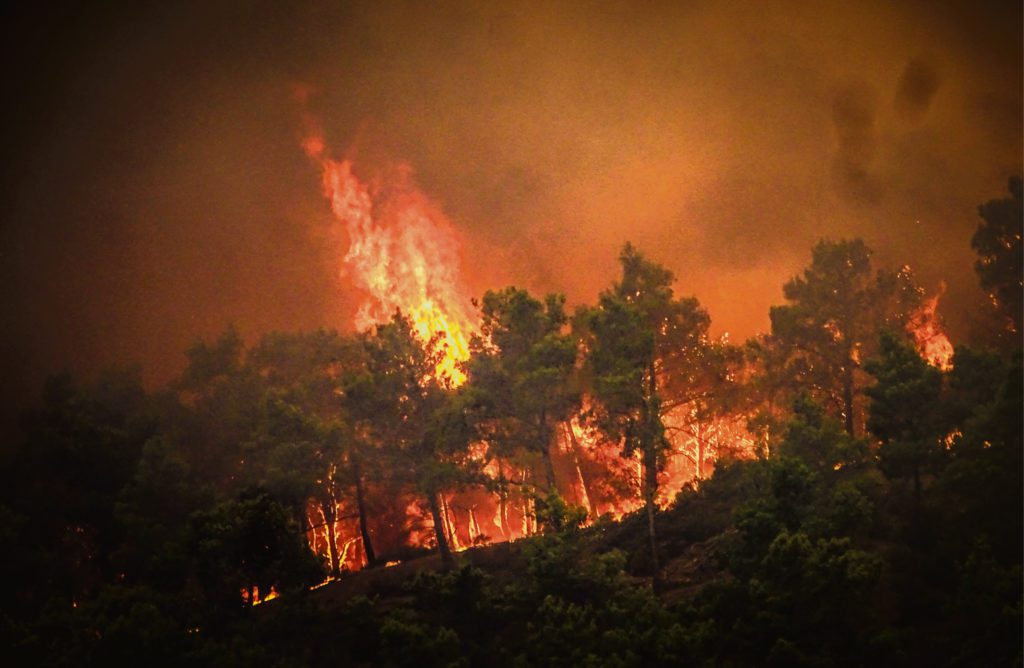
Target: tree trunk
650,443
848,395
700,451
584,477
327,507
544,437
305,525
503,501
442,540
549,470
650,488
771,424
364,529
529,477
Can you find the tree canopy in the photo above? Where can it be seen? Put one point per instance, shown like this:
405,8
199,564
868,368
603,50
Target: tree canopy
862,506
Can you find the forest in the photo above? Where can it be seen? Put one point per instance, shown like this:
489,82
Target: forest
602,485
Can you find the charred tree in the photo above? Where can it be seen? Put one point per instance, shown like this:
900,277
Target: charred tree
327,507
364,528
443,547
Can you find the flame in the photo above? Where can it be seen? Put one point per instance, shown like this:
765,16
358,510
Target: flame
403,252
253,597
589,470
926,326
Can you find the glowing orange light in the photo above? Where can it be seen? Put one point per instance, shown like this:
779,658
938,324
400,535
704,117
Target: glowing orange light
402,251
926,327
404,254
271,595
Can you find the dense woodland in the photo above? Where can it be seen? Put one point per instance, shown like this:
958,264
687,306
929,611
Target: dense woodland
868,512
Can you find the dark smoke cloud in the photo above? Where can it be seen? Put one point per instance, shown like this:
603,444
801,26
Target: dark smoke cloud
154,189
853,114
916,90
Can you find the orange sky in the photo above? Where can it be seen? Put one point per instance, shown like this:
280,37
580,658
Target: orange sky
155,190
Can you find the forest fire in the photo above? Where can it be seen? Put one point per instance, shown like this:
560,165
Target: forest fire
590,473
376,333
402,251
926,326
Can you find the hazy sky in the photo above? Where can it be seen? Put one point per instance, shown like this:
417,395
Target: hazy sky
154,189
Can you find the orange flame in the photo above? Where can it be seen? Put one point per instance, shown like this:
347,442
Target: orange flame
403,251
926,326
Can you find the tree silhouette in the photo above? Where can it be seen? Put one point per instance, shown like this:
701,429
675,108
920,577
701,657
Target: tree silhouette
906,414
831,322
998,244
421,427
636,333
521,373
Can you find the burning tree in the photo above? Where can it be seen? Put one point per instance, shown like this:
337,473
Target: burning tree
301,446
521,372
403,402
636,334
835,311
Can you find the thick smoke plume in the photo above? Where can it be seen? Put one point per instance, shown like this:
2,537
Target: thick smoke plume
154,193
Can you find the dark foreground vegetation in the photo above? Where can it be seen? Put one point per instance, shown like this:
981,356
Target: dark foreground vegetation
876,521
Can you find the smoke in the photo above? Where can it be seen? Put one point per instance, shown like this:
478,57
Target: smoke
155,190
853,114
916,90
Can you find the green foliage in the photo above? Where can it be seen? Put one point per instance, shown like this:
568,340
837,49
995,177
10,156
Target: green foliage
998,244
400,402
619,359
906,393
554,514
835,311
419,427
974,380
646,352
818,439
521,373
208,364
250,542
133,522
906,414
987,603
404,644
982,482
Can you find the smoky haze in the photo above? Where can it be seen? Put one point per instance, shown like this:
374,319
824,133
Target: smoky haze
155,191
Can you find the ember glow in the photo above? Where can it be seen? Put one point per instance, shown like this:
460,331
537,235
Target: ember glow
403,252
589,472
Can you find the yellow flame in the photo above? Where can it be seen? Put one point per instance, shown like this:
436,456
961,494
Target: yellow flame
402,252
926,326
